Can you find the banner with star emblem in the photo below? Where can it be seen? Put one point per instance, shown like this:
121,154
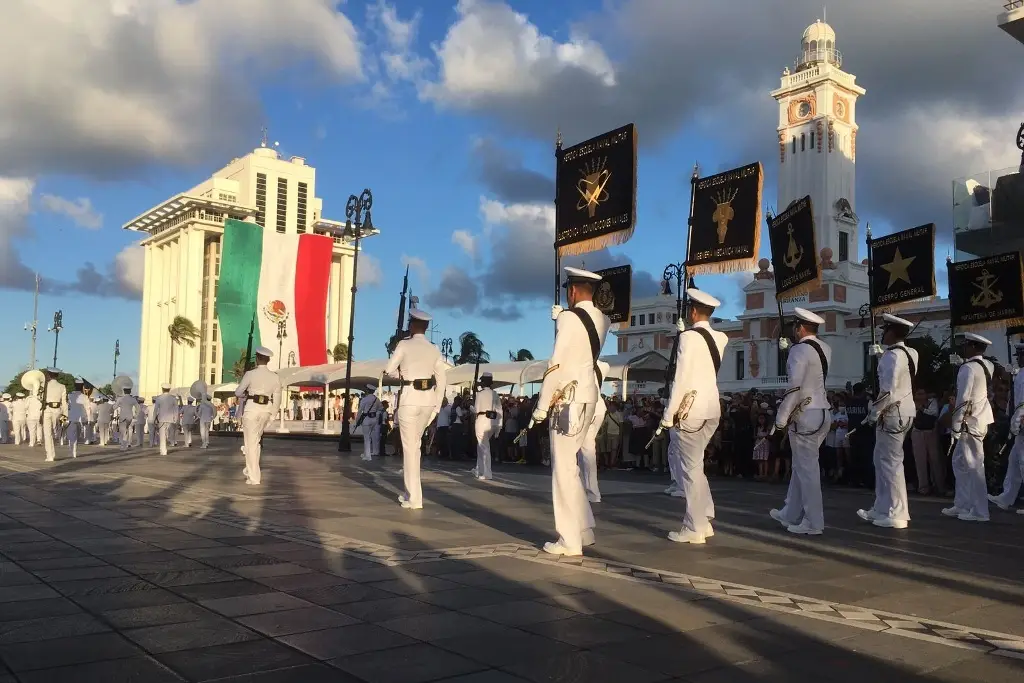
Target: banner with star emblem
903,267
595,192
725,222
791,234
986,292
612,294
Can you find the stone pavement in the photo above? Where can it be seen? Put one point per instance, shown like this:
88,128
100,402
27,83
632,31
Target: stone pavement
136,567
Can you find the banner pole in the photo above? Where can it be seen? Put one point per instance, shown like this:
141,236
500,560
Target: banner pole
558,257
871,310
683,282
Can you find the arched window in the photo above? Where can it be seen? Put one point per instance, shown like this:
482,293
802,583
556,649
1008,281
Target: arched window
812,139
813,46
803,142
794,144
828,44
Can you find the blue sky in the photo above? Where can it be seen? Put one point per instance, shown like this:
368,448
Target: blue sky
434,140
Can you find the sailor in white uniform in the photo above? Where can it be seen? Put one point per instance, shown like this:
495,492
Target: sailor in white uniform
569,395
207,412
693,411
5,416
78,415
34,414
55,400
588,451
189,416
104,416
127,405
261,388
804,415
151,424
489,418
1015,467
423,373
369,421
165,415
972,414
19,417
893,414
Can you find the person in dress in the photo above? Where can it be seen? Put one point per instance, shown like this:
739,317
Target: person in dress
762,449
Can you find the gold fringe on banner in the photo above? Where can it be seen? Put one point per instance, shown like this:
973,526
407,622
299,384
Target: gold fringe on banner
993,325
586,246
736,265
903,305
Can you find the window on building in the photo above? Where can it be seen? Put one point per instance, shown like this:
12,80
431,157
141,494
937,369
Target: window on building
794,144
739,365
867,358
844,246
803,142
261,199
812,139
632,321
300,213
282,204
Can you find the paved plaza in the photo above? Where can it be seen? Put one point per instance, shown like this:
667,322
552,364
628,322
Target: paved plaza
135,567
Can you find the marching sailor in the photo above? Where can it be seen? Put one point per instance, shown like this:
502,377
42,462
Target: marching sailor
127,406
189,415
804,415
19,417
486,426
260,387
165,414
893,414
693,411
55,397
972,414
369,421
5,416
588,451
1015,466
104,416
34,413
569,395
78,415
151,424
207,412
423,372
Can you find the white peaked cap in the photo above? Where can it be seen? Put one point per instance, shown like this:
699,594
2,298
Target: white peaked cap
703,297
580,274
5,396
890,319
55,371
165,386
20,394
371,387
977,338
419,314
486,375
263,351
808,317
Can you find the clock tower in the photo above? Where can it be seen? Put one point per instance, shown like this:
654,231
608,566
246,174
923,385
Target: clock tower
818,141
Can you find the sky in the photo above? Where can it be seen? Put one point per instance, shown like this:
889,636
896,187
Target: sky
448,111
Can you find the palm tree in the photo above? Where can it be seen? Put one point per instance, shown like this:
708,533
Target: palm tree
471,349
182,331
340,352
520,355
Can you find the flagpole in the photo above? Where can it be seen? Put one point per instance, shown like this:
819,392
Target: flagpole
558,258
871,311
681,303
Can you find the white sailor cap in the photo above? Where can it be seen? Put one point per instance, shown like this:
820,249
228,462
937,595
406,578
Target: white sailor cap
890,319
20,394
165,386
579,275
190,400
52,370
79,380
419,314
703,297
263,351
976,338
6,396
808,317
371,387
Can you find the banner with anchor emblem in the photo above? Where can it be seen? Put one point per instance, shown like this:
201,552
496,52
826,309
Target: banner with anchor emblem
903,267
725,232
986,292
612,295
595,192
791,234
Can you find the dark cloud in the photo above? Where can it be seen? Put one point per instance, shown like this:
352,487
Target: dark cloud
501,313
456,291
502,172
91,282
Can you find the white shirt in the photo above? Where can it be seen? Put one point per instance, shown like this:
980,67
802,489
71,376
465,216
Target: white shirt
104,413
260,381
57,393
805,379
695,371
5,413
207,411
165,409
416,358
189,414
972,393
1018,393
19,409
369,409
126,406
78,407
572,359
142,414
895,385
487,399
33,407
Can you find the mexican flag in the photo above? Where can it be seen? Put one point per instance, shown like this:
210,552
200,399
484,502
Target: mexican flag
274,277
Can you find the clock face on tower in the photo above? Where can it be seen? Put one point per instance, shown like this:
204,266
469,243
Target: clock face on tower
840,109
804,109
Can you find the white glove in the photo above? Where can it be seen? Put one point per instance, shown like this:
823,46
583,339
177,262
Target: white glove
556,310
784,343
538,416
875,350
954,359
681,325
665,424
1014,370
775,428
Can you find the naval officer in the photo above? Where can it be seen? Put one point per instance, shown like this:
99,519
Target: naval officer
972,414
486,425
260,387
55,400
804,415
569,395
423,373
165,415
893,414
369,421
207,412
693,411
1015,466
78,415
127,407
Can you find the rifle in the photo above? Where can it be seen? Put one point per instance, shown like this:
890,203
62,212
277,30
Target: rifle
249,362
399,329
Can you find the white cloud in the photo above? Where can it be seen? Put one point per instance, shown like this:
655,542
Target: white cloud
15,201
398,62
467,242
130,269
370,272
80,211
419,267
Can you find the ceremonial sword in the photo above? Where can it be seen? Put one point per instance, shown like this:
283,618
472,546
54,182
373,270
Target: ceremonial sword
555,398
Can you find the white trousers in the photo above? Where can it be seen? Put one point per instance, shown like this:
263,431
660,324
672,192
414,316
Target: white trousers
412,420
371,437
5,426
35,430
693,436
254,422
970,493
204,433
19,431
485,429
187,428
104,433
588,454
165,429
890,479
803,500
51,418
154,432
568,497
126,434
75,430
1014,474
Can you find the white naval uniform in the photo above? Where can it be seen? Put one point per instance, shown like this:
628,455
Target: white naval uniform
970,425
189,415
260,381
78,417
485,429
165,416
1015,466
126,410
90,421
104,415
416,358
151,424
369,414
5,420
695,372
19,419
569,421
56,402
206,414
808,431
34,411
588,451
894,414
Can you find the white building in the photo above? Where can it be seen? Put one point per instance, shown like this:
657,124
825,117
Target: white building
1012,19
182,259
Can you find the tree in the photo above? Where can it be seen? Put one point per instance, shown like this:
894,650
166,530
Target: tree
182,331
340,352
14,386
471,350
106,389
520,355
934,371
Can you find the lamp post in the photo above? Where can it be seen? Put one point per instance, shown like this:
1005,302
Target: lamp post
446,348
58,319
354,224
291,359
282,334
676,271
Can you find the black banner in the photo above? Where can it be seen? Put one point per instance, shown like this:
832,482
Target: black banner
595,185
794,250
726,223
612,295
987,292
903,266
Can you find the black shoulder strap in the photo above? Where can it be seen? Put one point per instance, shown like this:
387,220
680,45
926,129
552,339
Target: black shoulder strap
988,375
821,356
910,362
595,342
716,357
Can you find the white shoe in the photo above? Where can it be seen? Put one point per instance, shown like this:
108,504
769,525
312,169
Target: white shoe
803,528
686,536
474,473
777,516
556,548
890,523
593,499
678,493
970,517
952,511
867,515
481,477
995,501
588,537
409,506
250,482
709,532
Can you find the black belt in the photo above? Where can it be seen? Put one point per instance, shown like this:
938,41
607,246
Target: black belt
260,400
373,414
53,405
489,414
420,384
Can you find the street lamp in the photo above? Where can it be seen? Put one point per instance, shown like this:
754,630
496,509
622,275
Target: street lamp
446,348
58,319
282,334
291,359
354,225
676,271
